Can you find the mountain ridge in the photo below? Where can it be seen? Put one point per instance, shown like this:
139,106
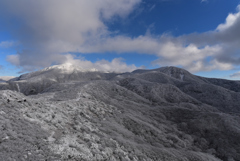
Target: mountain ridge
194,86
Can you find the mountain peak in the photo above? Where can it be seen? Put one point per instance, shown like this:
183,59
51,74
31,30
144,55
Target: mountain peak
175,72
68,68
171,71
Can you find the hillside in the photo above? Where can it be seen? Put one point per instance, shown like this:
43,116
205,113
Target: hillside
66,113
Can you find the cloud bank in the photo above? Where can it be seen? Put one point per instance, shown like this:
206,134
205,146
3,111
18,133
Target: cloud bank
116,65
48,30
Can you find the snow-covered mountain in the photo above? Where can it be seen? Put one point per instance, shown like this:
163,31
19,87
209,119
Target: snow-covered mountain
54,72
66,113
5,78
37,82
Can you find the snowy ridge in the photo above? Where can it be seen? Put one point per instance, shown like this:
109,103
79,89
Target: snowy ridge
68,68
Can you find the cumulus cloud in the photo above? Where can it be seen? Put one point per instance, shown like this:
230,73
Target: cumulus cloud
231,20
170,50
116,65
190,57
48,29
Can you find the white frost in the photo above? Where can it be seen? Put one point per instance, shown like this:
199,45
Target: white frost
18,88
182,76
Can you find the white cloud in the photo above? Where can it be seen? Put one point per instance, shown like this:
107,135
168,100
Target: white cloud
216,65
116,65
7,44
14,59
212,65
171,51
49,28
230,21
190,57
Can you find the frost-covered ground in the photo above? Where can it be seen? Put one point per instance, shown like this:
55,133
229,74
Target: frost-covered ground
165,114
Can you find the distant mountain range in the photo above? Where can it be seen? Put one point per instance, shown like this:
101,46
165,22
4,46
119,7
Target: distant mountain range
68,113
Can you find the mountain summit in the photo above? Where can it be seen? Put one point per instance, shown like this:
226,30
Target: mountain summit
68,68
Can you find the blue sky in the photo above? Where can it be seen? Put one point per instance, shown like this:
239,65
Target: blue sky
201,36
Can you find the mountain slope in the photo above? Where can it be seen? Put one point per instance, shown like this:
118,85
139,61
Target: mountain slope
160,115
205,90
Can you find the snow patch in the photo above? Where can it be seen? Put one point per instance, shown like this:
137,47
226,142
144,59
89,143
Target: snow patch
181,77
50,138
18,88
2,113
78,96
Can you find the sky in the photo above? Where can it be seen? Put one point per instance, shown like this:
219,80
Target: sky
201,36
